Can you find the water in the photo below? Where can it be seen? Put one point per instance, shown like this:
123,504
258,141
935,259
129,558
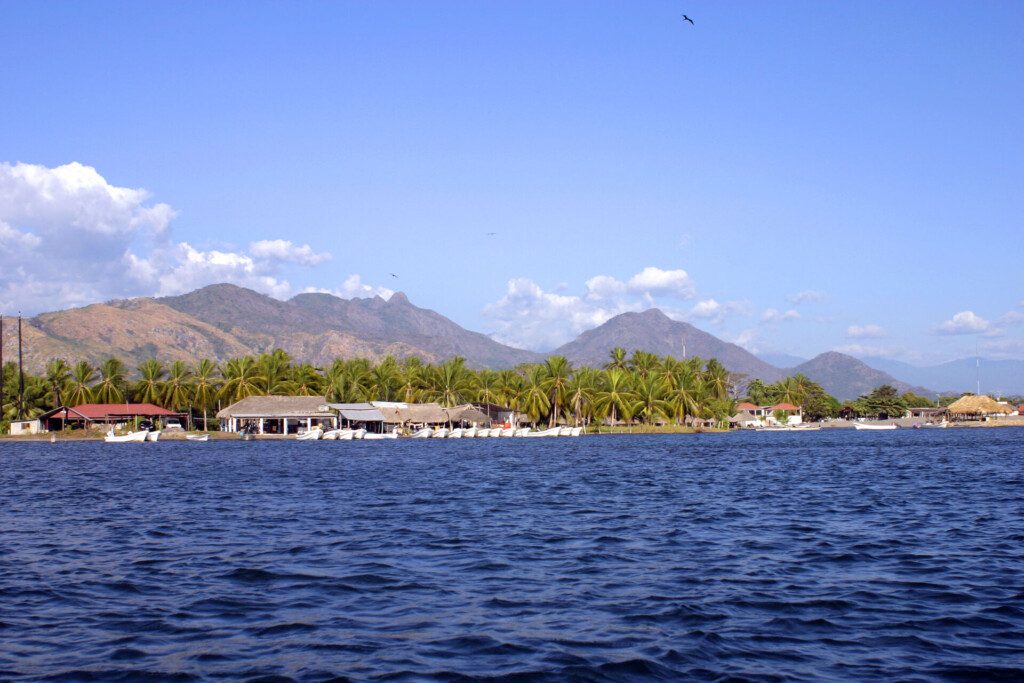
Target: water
813,556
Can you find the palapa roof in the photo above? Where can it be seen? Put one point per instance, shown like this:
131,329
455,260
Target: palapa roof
277,407
978,405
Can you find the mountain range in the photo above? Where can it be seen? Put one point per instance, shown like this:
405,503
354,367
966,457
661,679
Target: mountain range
223,321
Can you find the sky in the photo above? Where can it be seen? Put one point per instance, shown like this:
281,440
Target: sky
794,177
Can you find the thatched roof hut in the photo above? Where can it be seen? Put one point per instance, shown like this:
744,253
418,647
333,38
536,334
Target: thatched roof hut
978,406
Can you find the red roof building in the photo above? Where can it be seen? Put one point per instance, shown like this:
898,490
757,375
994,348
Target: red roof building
787,407
105,413
746,406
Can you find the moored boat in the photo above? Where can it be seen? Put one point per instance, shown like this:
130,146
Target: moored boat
424,433
310,435
867,427
440,433
197,437
110,437
508,432
469,432
522,431
153,436
330,435
456,433
554,431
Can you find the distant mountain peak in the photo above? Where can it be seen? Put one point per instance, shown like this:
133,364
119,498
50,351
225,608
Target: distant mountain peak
399,299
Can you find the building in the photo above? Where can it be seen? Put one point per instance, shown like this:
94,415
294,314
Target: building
88,415
749,416
22,427
977,408
277,415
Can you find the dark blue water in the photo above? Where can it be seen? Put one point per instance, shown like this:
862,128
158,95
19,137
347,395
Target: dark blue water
829,555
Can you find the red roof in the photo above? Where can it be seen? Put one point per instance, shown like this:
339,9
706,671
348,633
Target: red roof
98,411
785,406
745,406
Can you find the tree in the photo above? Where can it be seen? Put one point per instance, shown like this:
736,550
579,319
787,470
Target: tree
618,359
556,382
205,386
581,395
178,387
149,388
449,383
615,396
58,375
884,402
112,384
241,379
535,400
79,389
650,402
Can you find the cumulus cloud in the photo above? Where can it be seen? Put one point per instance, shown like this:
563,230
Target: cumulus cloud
69,237
714,311
748,339
772,315
806,296
965,322
656,281
354,287
284,250
868,331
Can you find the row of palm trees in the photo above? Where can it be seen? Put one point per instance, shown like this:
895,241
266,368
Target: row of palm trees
638,387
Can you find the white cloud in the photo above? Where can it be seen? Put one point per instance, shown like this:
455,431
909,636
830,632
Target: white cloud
354,287
70,238
715,311
806,296
284,250
602,287
529,317
869,331
772,315
654,281
965,322
748,339
869,351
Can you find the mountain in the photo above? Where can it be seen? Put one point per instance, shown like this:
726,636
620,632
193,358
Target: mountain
223,321
781,360
846,378
1004,377
655,332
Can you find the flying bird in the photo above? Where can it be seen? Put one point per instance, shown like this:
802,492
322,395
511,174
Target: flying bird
491,234
686,18
394,276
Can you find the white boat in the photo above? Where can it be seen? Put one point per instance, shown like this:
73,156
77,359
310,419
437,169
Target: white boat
346,434
576,431
440,433
311,434
424,433
522,431
511,431
862,426
469,432
373,436
456,433
359,434
483,433
330,435
197,437
935,425
153,436
494,432
110,437
565,431
554,431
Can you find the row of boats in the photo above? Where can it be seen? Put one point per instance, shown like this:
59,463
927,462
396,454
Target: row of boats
318,434
146,435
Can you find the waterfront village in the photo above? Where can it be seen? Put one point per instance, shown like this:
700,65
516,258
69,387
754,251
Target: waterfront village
316,418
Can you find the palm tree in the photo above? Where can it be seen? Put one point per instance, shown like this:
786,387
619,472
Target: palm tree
79,389
58,375
205,386
178,387
535,401
717,379
581,394
306,381
643,363
346,381
650,402
241,379
556,381
411,375
509,389
383,380
615,396
449,383
150,387
275,371
486,384
689,396
618,359
112,384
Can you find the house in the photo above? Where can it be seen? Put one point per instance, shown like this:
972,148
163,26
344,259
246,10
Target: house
277,414
977,408
89,415
21,427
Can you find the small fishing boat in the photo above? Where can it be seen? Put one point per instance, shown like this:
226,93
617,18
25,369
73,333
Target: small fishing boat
373,436
576,431
565,431
456,433
933,425
153,436
310,434
554,431
359,434
197,437
110,437
424,433
511,431
522,431
441,433
494,432
330,435
483,433
875,428
469,432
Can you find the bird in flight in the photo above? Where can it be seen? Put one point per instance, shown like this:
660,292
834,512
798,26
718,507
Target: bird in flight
394,276
491,234
686,18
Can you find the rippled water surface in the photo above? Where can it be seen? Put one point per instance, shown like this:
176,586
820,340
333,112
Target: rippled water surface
812,556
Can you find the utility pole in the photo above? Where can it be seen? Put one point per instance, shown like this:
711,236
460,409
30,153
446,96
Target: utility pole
21,376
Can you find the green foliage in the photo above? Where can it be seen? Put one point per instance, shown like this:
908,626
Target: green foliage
912,400
884,401
798,390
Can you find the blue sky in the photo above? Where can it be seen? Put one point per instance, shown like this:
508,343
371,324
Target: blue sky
795,177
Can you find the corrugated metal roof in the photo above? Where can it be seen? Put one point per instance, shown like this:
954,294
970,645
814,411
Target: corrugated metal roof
99,411
277,407
361,414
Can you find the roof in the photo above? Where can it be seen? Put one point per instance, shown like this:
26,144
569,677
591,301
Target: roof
277,407
785,406
101,411
361,414
743,416
978,405
413,412
745,406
